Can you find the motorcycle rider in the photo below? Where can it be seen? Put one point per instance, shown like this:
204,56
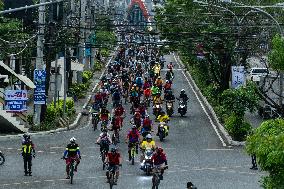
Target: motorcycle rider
72,152
159,159
169,97
167,86
149,143
113,160
183,96
28,152
133,138
163,118
104,141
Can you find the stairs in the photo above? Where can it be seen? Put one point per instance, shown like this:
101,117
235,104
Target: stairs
10,123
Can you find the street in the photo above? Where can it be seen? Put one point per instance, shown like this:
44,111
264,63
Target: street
195,153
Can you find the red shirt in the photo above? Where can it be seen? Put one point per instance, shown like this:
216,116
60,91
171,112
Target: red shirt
167,86
119,111
113,158
159,159
98,97
147,122
117,123
147,92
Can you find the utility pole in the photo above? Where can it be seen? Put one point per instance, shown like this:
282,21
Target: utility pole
39,58
82,36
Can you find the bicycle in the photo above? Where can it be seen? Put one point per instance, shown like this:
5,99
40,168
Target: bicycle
156,179
71,168
111,177
115,137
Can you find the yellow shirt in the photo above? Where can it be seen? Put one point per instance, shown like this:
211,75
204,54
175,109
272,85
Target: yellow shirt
163,118
148,145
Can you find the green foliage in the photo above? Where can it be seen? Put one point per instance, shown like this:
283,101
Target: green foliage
98,66
87,75
267,143
1,5
105,38
276,56
238,101
105,52
237,127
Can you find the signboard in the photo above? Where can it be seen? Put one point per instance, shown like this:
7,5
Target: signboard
87,51
16,100
238,76
39,80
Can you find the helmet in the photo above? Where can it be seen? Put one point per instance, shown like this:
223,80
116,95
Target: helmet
182,91
147,116
159,149
72,140
167,81
113,149
101,90
133,126
26,136
148,136
159,77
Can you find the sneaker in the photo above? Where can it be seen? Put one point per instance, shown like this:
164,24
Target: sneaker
30,174
115,182
68,177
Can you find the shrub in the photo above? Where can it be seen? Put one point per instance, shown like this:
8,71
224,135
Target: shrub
98,66
237,127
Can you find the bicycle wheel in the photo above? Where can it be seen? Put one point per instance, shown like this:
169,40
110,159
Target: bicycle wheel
132,155
111,180
2,159
103,159
71,172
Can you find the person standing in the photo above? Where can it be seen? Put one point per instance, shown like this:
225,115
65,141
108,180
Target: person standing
28,152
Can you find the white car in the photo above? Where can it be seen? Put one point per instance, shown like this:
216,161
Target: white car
256,73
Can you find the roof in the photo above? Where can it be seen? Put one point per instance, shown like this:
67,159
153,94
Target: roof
23,78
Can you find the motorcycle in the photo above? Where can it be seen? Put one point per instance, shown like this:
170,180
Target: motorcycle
163,131
169,108
182,108
147,164
157,110
95,120
2,158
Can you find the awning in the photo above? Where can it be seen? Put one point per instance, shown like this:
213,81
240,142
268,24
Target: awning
24,79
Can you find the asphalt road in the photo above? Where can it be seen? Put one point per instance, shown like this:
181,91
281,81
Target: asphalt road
195,153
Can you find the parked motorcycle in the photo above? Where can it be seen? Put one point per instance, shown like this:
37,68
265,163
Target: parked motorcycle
163,131
95,119
157,110
2,158
182,108
147,164
170,108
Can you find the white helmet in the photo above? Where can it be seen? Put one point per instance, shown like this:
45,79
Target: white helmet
148,136
72,140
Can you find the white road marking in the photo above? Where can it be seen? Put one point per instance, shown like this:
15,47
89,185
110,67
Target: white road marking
49,180
202,106
56,147
219,149
37,181
52,152
40,151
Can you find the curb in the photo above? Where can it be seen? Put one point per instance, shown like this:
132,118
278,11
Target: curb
71,126
220,126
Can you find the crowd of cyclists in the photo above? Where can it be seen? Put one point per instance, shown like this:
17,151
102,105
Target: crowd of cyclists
134,78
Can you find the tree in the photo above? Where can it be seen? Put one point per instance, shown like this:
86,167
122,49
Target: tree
267,143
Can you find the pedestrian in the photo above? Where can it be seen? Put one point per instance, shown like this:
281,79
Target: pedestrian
190,186
28,152
253,162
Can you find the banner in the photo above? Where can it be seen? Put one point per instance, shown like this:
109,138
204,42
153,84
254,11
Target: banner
39,80
16,100
238,76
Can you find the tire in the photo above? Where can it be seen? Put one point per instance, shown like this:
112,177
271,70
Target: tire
161,136
71,173
148,171
132,161
2,159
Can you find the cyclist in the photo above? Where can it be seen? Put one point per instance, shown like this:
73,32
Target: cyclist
155,90
157,99
132,139
98,100
167,86
159,159
136,119
146,125
113,160
119,110
104,141
72,152
169,97
104,114
159,82
170,66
